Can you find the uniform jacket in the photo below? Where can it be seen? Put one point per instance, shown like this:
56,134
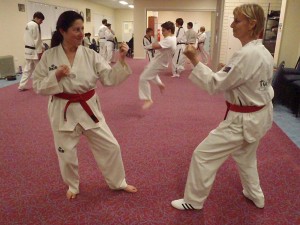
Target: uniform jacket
101,33
32,40
191,36
246,81
88,68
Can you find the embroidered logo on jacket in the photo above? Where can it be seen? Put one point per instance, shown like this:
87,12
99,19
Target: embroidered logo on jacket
263,84
60,149
52,67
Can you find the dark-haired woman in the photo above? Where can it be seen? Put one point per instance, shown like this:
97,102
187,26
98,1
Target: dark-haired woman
68,73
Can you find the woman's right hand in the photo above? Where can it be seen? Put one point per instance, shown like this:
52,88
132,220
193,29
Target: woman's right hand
62,71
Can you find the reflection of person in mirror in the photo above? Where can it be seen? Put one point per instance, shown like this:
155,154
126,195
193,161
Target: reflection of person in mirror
74,105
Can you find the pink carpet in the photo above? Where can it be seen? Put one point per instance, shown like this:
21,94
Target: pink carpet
156,146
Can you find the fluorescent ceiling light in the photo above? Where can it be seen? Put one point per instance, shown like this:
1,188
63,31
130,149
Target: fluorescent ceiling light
131,6
123,2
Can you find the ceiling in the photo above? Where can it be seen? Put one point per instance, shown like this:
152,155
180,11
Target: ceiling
113,3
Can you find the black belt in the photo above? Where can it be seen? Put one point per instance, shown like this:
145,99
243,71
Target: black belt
201,42
180,43
102,38
111,41
26,46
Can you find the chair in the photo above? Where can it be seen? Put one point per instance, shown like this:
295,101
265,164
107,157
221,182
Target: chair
295,70
130,51
277,82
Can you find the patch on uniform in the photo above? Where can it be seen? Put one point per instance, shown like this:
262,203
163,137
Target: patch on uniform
52,67
227,69
60,149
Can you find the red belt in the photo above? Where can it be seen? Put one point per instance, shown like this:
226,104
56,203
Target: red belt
81,98
241,109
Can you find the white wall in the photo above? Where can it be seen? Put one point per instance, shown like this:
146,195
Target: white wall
122,15
228,9
13,22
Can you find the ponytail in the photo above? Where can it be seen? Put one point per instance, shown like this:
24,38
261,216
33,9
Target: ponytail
57,38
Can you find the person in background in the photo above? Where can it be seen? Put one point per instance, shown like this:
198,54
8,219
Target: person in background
33,48
164,51
68,73
102,40
87,40
110,43
201,41
178,60
148,40
191,35
246,82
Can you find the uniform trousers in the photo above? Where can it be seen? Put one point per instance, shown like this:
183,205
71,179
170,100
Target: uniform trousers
203,54
109,51
178,60
102,49
227,139
105,149
27,72
149,74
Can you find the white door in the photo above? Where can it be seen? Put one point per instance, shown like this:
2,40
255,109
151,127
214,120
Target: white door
233,44
127,30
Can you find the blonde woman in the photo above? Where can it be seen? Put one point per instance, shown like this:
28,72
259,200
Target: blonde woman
246,82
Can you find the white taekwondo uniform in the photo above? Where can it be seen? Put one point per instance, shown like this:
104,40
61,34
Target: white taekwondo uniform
86,42
87,69
191,37
102,40
179,58
246,81
159,63
148,41
110,45
201,41
33,47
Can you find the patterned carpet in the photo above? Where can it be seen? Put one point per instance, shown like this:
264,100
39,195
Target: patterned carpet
156,146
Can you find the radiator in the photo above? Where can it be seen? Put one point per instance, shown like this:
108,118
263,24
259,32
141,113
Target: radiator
7,66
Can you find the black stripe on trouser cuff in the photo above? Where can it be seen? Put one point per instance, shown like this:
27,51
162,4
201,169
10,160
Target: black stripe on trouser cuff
187,206
177,59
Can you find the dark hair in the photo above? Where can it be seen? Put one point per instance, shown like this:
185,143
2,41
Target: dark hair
65,20
108,25
179,21
104,21
38,15
190,24
149,29
169,26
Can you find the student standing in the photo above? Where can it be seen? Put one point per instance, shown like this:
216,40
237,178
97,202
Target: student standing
201,41
87,40
33,48
246,82
148,40
102,40
110,43
164,52
191,35
178,60
68,73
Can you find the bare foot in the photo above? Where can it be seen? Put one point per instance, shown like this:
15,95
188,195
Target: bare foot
130,189
161,87
70,195
147,104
